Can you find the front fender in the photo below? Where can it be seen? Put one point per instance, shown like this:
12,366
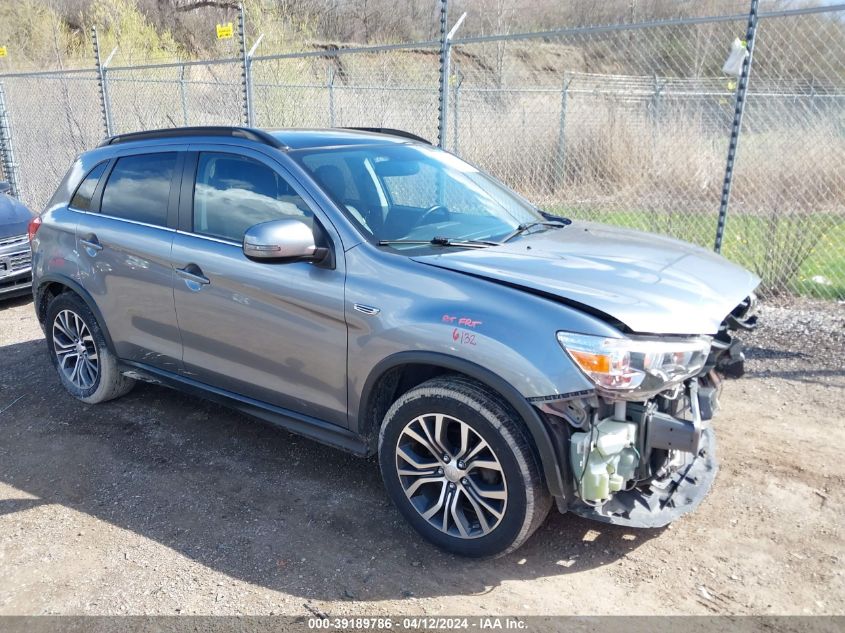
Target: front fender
530,416
399,311
410,306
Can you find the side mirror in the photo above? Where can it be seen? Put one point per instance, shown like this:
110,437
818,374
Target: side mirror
282,241
5,187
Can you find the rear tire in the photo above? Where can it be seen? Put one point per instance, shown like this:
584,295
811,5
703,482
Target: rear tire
485,506
85,364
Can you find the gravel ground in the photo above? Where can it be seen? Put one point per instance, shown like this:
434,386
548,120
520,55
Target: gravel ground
160,503
800,340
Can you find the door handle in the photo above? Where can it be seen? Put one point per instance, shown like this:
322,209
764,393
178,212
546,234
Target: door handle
193,273
91,243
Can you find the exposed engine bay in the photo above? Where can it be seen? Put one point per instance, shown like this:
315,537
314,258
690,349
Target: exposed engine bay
644,462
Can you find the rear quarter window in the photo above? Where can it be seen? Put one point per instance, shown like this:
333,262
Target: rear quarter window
82,198
138,188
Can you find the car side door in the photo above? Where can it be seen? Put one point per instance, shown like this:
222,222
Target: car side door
273,332
124,235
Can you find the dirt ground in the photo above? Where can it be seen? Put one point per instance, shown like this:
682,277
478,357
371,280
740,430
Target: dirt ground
160,503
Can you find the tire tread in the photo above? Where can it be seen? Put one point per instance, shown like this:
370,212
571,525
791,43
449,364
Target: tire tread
112,383
496,410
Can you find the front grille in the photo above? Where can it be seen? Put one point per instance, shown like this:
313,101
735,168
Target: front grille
15,284
16,239
20,261
15,262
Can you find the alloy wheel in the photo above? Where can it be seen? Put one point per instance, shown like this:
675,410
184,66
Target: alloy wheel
451,476
75,350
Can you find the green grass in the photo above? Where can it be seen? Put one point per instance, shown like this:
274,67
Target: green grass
828,260
787,253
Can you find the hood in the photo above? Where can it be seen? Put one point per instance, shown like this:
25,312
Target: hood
651,283
14,217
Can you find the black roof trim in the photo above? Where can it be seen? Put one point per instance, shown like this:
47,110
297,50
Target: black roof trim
391,132
249,134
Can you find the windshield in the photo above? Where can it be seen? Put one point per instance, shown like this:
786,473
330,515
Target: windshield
413,194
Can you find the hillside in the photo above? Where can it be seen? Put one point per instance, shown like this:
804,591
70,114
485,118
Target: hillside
55,33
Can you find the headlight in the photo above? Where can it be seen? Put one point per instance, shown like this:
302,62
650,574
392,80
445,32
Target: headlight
636,367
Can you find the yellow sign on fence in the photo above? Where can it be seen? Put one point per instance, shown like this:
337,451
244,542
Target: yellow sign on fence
3,51
224,31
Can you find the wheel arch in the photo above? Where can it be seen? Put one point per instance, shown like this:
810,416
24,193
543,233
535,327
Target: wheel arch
402,371
50,286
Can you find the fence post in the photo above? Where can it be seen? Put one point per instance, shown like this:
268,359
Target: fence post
655,99
736,127
105,106
443,95
561,130
456,108
182,96
813,94
445,61
654,119
330,86
245,79
7,152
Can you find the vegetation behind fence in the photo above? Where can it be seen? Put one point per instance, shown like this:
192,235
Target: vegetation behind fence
626,123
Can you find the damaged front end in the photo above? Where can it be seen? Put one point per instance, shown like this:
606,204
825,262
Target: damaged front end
640,450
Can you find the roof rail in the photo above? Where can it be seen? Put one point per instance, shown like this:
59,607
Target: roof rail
392,132
250,134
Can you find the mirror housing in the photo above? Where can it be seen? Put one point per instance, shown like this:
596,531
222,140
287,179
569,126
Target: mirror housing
5,187
287,240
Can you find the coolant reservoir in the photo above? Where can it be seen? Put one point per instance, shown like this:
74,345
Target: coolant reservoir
606,460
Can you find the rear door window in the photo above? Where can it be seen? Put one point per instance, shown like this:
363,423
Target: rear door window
138,188
82,198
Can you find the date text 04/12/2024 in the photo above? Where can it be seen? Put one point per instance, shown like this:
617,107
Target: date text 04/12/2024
418,623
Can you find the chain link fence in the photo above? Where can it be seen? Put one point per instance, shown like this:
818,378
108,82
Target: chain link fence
627,124
52,117
377,86
787,215
174,95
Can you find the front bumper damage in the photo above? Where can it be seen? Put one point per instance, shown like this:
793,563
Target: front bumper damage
677,467
644,464
661,501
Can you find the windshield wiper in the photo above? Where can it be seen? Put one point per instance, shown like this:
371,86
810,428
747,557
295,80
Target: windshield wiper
557,224
441,241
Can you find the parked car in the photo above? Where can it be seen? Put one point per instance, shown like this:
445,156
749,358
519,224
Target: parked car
368,290
15,272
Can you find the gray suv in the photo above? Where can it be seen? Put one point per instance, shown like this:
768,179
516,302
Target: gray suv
366,289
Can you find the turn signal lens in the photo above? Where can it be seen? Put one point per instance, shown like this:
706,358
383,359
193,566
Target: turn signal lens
32,228
636,367
591,362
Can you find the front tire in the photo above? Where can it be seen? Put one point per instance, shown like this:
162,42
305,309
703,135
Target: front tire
87,368
458,464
